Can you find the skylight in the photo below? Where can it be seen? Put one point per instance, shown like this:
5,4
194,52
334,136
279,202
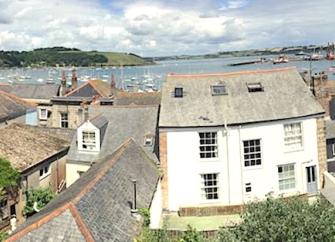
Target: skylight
255,87
178,92
218,90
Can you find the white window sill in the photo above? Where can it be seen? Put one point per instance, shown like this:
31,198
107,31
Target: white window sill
44,176
292,151
250,168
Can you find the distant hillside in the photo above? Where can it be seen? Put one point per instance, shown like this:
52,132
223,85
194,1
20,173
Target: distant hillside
61,56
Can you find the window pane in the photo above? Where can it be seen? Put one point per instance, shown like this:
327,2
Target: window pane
208,144
252,152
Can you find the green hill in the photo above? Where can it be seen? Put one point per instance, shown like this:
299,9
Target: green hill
61,56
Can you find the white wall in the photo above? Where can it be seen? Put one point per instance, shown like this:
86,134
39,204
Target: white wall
72,170
185,165
156,208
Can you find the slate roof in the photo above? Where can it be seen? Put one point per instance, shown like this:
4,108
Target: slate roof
285,96
32,91
92,88
98,202
135,98
26,146
99,121
12,106
330,129
123,123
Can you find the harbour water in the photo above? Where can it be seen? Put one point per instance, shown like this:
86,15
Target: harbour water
153,75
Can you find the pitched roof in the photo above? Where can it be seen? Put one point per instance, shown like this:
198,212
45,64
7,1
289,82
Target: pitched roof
12,106
25,146
91,88
96,207
330,129
124,122
32,91
99,121
128,98
285,96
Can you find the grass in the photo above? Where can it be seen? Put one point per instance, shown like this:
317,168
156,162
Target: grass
173,221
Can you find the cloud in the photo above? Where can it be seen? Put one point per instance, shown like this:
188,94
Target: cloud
164,27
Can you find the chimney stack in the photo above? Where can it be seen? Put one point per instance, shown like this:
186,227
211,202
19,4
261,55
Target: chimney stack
63,84
113,83
74,80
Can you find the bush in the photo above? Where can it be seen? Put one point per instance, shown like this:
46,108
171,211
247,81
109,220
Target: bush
42,196
284,220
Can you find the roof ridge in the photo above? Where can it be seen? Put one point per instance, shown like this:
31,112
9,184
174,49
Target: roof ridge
115,157
17,99
71,203
80,223
131,106
260,71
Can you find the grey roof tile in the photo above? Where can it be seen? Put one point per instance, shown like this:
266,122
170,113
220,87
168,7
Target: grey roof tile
101,197
285,96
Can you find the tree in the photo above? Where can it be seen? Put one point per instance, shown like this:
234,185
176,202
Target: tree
9,178
41,197
284,220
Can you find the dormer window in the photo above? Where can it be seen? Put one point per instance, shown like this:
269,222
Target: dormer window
178,92
218,90
89,141
148,140
255,87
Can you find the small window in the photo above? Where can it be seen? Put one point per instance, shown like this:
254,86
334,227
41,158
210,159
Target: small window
286,176
333,149
178,92
255,87
148,140
218,90
80,173
43,114
293,137
252,152
89,140
45,171
208,145
248,187
210,186
3,209
64,120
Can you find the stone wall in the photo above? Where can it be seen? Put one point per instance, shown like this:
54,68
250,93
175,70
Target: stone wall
164,169
322,148
74,115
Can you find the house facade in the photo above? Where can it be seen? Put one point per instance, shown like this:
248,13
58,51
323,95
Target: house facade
228,139
39,157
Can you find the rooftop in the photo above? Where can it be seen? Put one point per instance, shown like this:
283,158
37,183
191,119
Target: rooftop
124,122
90,209
32,91
25,146
91,88
272,99
12,106
128,98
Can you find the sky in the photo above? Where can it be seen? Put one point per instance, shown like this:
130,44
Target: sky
165,27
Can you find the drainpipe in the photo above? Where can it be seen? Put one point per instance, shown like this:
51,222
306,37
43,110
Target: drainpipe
228,174
241,162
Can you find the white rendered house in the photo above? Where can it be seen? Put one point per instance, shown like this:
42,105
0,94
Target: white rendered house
226,139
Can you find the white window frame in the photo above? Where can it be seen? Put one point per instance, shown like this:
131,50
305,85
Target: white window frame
41,115
91,144
61,120
204,192
287,178
333,149
148,140
46,171
289,146
219,90
207,142
254,153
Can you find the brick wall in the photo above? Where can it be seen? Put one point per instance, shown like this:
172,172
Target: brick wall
322,148
163,165
211,211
